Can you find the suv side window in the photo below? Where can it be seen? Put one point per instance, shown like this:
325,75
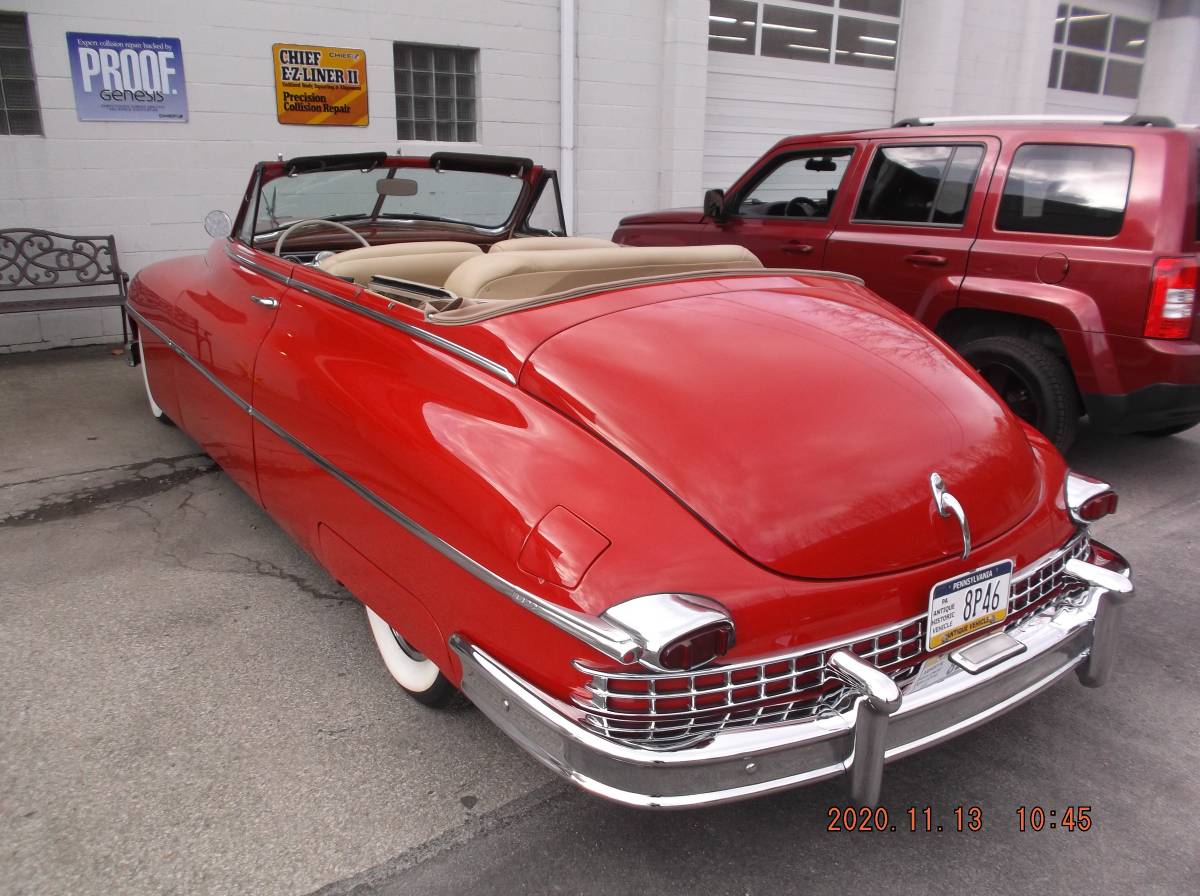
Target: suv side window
1068,189
919,184
803,185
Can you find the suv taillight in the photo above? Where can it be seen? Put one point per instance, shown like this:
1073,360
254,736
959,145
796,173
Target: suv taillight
1172,299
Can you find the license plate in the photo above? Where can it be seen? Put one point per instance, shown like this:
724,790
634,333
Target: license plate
968,603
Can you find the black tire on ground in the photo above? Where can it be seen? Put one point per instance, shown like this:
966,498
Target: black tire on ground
1167,430
1033,381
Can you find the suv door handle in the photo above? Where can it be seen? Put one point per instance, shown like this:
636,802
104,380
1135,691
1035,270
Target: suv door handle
797,248
268,301
925,259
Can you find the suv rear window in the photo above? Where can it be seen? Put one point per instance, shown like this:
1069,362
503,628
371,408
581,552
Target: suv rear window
919,184
1056,188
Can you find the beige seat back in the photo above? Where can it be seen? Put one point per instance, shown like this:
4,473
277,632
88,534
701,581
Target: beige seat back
429,262
535,243
525,275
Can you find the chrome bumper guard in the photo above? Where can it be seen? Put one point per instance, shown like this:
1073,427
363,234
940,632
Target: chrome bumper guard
882,726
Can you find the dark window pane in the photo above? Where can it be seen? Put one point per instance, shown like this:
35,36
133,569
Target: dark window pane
866,43
24,121
879,7
19,94
13,30
1129,37
465,85
464,62
1123,78
1055,67
404,81
466,133
731,25
1066,189
1060,24
1082,72
799,186
903,183
1088,28
422,59
424,130
796,34
422,83
445,130
404,129
955,194
464,110
423,108
443,85
15,62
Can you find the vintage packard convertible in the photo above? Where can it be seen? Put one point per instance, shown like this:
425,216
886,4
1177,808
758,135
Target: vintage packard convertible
687,529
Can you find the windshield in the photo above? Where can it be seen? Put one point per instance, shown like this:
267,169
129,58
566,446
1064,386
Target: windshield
474,198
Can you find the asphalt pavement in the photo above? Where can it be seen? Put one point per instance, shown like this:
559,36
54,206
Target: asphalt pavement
189,705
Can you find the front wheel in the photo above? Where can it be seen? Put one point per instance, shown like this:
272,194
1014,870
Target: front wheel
155,411
1033,381
419,677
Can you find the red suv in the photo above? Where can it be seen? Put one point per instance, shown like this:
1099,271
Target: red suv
1059,258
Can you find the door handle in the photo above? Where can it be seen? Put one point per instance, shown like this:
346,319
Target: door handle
925,259
797,248
268,301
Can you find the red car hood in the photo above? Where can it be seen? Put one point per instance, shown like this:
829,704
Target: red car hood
802,425
666,216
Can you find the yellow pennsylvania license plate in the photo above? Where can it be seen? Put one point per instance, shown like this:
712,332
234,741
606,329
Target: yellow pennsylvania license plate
968,603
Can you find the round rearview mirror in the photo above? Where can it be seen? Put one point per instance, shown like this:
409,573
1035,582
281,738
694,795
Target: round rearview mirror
217,224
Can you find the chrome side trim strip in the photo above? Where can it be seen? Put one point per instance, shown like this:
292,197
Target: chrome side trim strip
433,339
605,637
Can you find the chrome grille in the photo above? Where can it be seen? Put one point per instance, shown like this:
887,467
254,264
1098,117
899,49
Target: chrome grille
666,710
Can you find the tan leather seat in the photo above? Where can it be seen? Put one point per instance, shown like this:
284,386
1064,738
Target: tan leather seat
428,262
524,275
535,243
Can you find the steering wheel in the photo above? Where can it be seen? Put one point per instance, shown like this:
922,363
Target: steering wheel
309,222
801,207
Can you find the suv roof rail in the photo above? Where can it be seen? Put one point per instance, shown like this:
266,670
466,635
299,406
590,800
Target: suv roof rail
1156,121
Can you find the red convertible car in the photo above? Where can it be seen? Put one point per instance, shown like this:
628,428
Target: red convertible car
687,529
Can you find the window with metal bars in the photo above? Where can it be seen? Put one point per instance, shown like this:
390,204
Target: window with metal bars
436,92
19,109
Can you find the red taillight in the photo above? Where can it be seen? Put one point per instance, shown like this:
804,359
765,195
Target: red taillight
1100,506
696,648
1172,299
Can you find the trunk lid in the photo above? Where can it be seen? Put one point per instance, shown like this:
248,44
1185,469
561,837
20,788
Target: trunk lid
801,425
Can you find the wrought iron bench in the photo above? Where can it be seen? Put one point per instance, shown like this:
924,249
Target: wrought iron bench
72,272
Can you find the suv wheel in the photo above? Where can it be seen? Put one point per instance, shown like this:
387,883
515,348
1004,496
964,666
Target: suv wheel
1033,381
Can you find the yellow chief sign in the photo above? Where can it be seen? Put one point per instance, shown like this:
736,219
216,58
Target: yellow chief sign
320,85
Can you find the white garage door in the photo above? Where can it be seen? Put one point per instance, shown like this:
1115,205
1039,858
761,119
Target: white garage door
771,74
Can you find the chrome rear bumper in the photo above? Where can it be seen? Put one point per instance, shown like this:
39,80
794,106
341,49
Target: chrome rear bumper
882,726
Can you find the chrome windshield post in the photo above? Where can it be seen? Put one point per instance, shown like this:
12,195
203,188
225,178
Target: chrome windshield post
880,698
1115,590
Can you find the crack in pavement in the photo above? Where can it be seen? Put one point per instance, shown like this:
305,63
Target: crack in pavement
29,505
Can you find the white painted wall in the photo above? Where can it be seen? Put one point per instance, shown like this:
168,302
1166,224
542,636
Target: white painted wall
151,184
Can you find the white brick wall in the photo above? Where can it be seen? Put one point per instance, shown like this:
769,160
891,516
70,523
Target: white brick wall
151,184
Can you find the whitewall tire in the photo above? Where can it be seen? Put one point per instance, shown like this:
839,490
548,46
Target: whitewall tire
419,676
155,411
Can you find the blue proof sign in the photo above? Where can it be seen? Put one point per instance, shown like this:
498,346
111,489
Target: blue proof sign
120,77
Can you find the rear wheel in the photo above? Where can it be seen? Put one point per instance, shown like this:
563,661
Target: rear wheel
1168,430
419,676
1033,381
155,411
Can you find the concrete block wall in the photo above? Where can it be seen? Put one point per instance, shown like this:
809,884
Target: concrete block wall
151,184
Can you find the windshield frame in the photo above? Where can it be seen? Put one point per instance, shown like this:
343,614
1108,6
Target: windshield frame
534,180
